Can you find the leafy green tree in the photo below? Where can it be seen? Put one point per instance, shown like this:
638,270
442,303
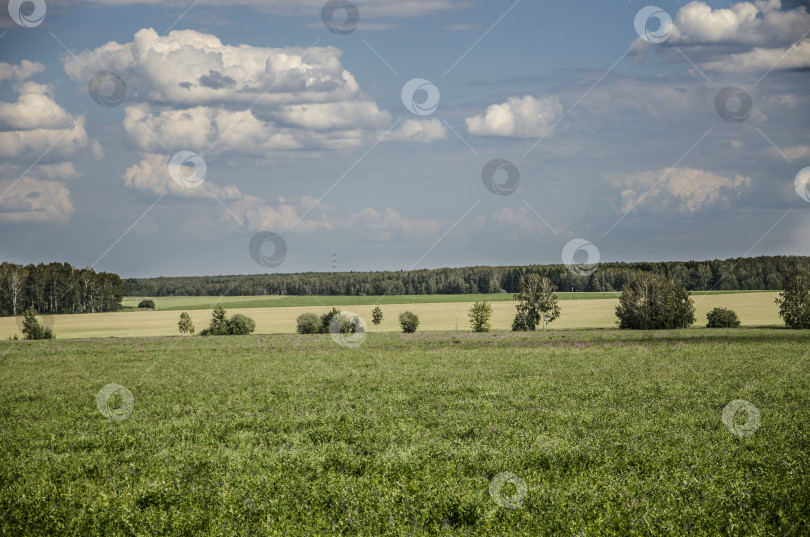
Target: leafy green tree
31,327
147,303
326,320
654,302
480,314
794,300
219,322
308,323
184,324
722,318
377,317
409,322
241,325
538,300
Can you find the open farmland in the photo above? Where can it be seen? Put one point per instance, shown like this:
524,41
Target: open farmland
754,309
613,433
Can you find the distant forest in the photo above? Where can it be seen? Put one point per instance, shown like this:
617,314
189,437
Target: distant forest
58,288
762,273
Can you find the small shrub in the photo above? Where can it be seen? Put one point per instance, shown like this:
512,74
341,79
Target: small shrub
147,304
409,322
522,323
241,325
722,318
308,323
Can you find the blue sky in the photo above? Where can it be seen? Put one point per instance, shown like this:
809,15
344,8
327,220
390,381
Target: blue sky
623,140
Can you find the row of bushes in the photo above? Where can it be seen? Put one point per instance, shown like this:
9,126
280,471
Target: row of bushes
310,323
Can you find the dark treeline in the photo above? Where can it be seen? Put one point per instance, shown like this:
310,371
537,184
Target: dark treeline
731,274
58,288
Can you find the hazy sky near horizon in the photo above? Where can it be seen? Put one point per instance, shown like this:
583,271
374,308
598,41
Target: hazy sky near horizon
423,134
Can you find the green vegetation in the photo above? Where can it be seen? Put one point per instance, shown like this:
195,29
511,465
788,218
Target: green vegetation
730,274
57,288
221,325
722,318
537,301
409,322
480,313
32,329
614,433
653,302
377,317
185,325
308,323
146,303
794,301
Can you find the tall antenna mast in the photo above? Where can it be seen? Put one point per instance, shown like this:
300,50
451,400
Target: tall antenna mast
334,263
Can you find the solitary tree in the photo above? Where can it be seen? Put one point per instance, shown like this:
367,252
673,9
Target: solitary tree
794,301
241,325
722,318
31,327
538,301
308,323
480,313
147,303
377,317
185,325
654,302
326,320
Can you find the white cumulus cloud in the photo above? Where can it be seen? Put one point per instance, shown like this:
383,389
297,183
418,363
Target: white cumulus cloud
518,117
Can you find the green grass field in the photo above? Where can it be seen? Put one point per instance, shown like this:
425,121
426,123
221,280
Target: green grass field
585,310
613,433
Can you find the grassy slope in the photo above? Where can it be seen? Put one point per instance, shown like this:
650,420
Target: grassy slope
754,309
614,433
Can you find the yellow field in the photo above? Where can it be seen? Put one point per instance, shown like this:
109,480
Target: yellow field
754,309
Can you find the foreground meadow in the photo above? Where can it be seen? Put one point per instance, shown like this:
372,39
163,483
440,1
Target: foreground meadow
612,433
